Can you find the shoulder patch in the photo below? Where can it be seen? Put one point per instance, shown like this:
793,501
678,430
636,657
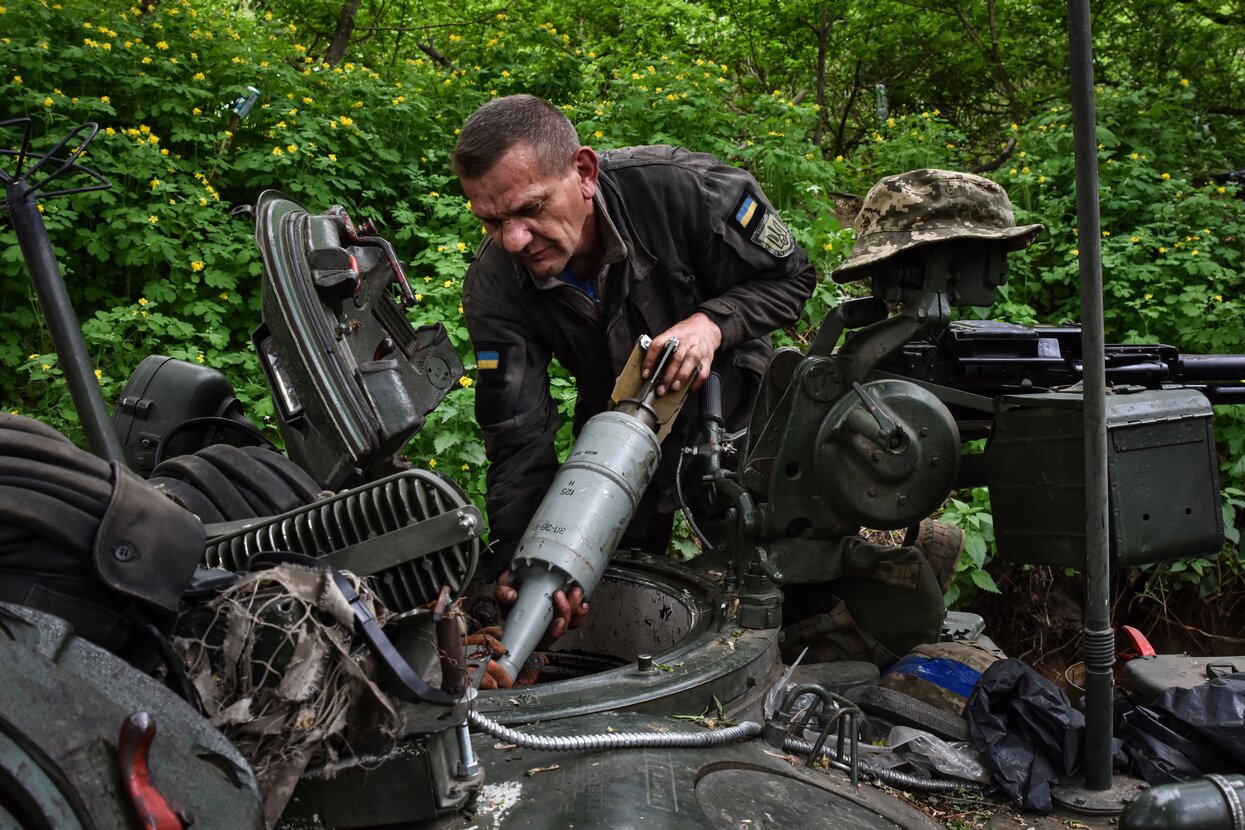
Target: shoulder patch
488,360
761,226
748,212
774,236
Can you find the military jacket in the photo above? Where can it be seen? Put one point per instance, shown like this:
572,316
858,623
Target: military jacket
696,235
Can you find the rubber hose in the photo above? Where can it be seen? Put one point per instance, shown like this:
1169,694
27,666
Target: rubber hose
614,740
899,780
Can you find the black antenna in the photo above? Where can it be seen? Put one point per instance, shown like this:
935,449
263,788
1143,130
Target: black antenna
23,189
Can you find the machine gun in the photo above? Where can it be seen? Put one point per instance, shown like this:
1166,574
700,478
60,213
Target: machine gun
870,434
992,358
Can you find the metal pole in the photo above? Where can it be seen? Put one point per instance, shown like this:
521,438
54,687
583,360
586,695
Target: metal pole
1099,636
71,351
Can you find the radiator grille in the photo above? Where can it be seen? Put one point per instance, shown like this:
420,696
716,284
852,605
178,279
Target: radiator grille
388,509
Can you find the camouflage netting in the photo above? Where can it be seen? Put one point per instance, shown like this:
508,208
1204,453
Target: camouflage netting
275,664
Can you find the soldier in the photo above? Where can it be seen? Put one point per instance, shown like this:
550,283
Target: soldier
584,254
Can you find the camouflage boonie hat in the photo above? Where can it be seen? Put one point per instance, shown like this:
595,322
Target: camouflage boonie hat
923,206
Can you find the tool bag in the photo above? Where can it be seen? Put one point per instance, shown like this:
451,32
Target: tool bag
90,542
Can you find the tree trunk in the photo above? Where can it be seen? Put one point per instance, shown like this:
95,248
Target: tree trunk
341,37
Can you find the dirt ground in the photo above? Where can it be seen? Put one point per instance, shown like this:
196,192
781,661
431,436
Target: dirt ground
966,811
1038,616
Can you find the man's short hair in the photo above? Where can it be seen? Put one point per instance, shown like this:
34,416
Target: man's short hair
515,119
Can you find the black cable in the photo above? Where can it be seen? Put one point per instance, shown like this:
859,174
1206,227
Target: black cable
242,426
176,678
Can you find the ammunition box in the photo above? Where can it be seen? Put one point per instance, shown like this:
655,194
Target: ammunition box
1162,474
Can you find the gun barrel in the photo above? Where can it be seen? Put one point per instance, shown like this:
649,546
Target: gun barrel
1212,367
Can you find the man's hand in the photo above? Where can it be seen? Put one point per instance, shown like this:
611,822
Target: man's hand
699,339
569,611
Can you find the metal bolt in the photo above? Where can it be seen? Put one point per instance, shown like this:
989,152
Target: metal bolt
644,663
124,552
468,767
467,522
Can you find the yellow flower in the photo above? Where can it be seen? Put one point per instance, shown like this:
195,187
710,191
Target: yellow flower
1162,249
332,156
46,366
1194,252
34,356
466,467
196,111
465,382
1149,296
200,358
1106,234
1166,177
224,295
99,374
199,76
829,246
1184,81
419,298
462,246
448,283
1041,179
104,99
291,148
197,265
142,301
47,102
346,121
146,59
1219,298
1076,252
162,45
1015,127
17,80
155,183
277,151
432,462
153,219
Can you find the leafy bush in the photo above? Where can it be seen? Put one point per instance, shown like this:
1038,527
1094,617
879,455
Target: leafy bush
158,265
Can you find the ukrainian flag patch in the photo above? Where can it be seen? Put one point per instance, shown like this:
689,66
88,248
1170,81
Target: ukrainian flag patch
487,360
747,210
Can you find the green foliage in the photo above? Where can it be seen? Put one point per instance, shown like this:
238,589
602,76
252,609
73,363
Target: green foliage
158,265
973,517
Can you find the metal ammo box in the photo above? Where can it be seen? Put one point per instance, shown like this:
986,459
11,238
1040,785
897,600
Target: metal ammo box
1163,483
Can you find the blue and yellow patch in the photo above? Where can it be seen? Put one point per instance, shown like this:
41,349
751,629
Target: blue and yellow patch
487,360
762,226
748,210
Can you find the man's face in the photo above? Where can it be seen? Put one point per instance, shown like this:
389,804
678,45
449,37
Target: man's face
540,219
